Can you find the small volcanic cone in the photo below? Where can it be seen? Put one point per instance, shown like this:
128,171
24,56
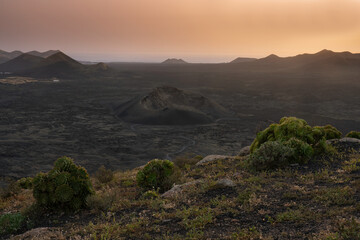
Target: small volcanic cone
170,106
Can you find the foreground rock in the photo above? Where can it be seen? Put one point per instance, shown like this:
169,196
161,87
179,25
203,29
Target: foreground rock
344,140
224,183
41,233
211,158
244,151
176,190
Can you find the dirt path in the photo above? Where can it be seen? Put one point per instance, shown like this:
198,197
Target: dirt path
190,143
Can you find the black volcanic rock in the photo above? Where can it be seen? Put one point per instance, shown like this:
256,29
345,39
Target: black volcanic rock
170,106
174,61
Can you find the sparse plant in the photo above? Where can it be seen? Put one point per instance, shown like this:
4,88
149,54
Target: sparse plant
353,134
353,165
11,189
156,175
104,175
26,183
187,160
349,229
335,196
101,202
65,187
11,222
150,194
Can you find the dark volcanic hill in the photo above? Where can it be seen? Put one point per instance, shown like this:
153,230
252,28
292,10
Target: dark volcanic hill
21,63
6,56
323,60
55,65
174,61
170,106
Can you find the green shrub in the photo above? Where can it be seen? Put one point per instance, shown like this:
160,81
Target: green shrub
292,127
65,187
271,155
156,175
302,152
26,183
104,175
331,132
353,134
11,223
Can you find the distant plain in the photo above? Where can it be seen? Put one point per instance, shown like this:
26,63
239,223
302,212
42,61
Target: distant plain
43,120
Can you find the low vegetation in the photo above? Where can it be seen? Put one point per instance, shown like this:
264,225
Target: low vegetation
296,192
290,141
65,187
353,134
156,175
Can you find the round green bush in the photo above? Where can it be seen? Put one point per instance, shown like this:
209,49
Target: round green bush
156,175
271,155
292,127
353,134
65,187
302,152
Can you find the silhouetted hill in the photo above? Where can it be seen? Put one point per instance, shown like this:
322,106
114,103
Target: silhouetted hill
6,56
43,54
56,65
62,66
242,60
174,61
170,106
61,57
320,61
99,66
21,63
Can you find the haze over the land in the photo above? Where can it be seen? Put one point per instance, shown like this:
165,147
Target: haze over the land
196,31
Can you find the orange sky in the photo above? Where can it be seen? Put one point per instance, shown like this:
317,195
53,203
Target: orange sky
196,30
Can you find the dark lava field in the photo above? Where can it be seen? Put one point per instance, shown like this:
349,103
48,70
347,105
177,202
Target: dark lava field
43,120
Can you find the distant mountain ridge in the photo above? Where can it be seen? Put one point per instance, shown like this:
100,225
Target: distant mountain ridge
243,59
174,61
6,56
323,57
43,54
52,63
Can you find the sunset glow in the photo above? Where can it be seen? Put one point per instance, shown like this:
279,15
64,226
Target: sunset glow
201,30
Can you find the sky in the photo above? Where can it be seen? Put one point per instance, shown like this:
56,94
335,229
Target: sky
195,30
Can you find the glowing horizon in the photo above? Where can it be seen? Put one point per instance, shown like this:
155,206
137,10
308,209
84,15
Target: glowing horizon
197,31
